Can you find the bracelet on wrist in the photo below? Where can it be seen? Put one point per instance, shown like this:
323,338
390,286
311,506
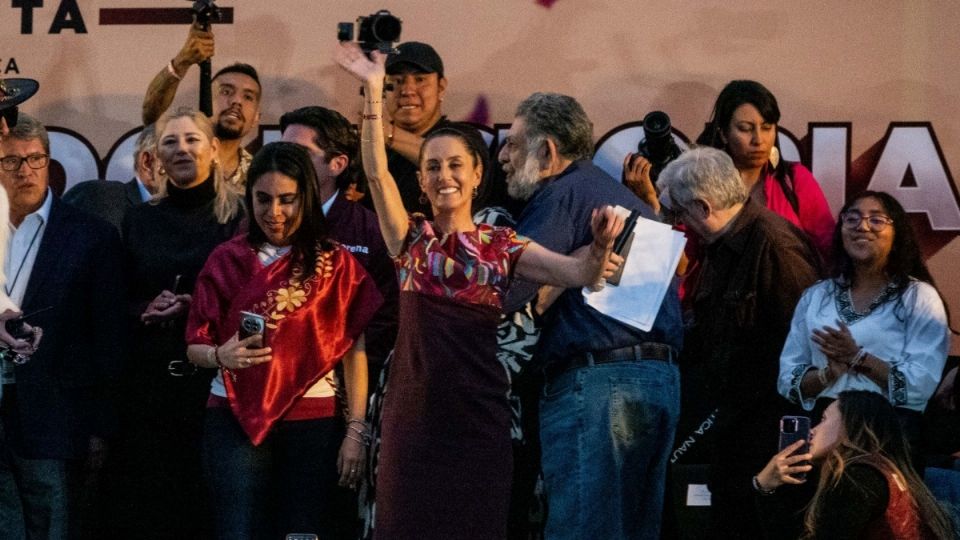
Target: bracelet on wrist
759,489
858,358
362,441
216,357
173,72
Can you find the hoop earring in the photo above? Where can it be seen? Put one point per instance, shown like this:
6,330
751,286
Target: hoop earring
476,191
423,198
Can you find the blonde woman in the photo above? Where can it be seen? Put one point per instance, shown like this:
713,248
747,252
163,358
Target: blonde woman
167,241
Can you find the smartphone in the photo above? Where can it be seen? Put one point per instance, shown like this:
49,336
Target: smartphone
793,429
251,324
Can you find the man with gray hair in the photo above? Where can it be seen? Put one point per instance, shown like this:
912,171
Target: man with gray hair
755,268
111,200
56,413
611,396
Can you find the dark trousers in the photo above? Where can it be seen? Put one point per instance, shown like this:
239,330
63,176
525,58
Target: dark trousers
33,493
288,484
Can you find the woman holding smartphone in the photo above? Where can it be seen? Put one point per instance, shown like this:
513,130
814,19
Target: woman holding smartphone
868,487
276,440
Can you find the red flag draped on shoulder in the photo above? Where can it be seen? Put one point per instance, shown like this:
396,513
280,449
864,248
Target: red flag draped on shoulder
311,323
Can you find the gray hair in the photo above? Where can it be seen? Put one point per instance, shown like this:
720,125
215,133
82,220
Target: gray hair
29,128
146,142
703,173
560,118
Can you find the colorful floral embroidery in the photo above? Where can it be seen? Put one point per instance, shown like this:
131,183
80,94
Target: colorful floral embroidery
473,267
294,292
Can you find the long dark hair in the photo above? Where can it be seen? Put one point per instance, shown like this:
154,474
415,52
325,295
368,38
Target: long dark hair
733,95
292,160
872,433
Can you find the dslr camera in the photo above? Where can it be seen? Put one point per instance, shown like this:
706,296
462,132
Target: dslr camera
658,145
375,32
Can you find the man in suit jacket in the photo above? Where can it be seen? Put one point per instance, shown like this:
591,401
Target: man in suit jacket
54,412
111,200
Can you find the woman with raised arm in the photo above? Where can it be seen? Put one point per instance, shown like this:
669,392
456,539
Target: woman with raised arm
445,457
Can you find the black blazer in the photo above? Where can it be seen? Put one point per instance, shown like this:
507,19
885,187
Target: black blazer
105,199
63,394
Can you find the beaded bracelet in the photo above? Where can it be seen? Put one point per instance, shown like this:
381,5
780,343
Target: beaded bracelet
759,489
858,358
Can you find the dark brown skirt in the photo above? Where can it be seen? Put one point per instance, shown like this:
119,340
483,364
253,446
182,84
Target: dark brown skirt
445,457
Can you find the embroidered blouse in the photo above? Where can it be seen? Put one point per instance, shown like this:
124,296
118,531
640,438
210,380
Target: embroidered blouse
910,334
473,267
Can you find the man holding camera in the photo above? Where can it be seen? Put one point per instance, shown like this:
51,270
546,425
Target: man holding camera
611,396
236,101
54,415
414,104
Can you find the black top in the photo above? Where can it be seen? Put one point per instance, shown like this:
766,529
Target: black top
163,240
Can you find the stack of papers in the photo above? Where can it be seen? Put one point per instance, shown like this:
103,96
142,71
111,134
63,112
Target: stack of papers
647,274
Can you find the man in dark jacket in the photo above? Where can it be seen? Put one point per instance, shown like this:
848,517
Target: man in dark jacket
756,267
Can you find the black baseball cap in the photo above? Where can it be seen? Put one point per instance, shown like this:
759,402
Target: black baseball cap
419,55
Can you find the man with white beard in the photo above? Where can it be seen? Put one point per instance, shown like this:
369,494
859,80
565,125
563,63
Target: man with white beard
612,392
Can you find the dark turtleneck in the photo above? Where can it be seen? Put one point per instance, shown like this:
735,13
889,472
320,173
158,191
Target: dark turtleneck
165,239
191,197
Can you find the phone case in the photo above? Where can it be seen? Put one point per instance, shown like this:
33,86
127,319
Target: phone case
801,431
251,324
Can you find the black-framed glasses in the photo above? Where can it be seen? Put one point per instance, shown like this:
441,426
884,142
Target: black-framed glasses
34,161
876,222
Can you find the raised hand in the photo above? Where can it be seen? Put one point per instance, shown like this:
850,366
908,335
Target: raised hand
605,225
353,60
782,467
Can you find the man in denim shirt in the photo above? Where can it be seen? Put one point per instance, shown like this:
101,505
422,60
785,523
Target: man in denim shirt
611,396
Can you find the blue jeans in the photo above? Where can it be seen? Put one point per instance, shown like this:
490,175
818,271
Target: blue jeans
606,432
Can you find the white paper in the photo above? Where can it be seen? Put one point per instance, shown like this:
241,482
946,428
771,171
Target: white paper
647,273
698,495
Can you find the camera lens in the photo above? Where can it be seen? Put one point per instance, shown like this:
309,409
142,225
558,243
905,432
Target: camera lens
789,425
656,124
385,27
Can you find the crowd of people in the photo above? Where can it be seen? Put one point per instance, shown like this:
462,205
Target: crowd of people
380,331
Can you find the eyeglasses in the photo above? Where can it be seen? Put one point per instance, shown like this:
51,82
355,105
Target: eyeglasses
35,161
852,220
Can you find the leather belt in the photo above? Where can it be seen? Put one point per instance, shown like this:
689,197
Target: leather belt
633,353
